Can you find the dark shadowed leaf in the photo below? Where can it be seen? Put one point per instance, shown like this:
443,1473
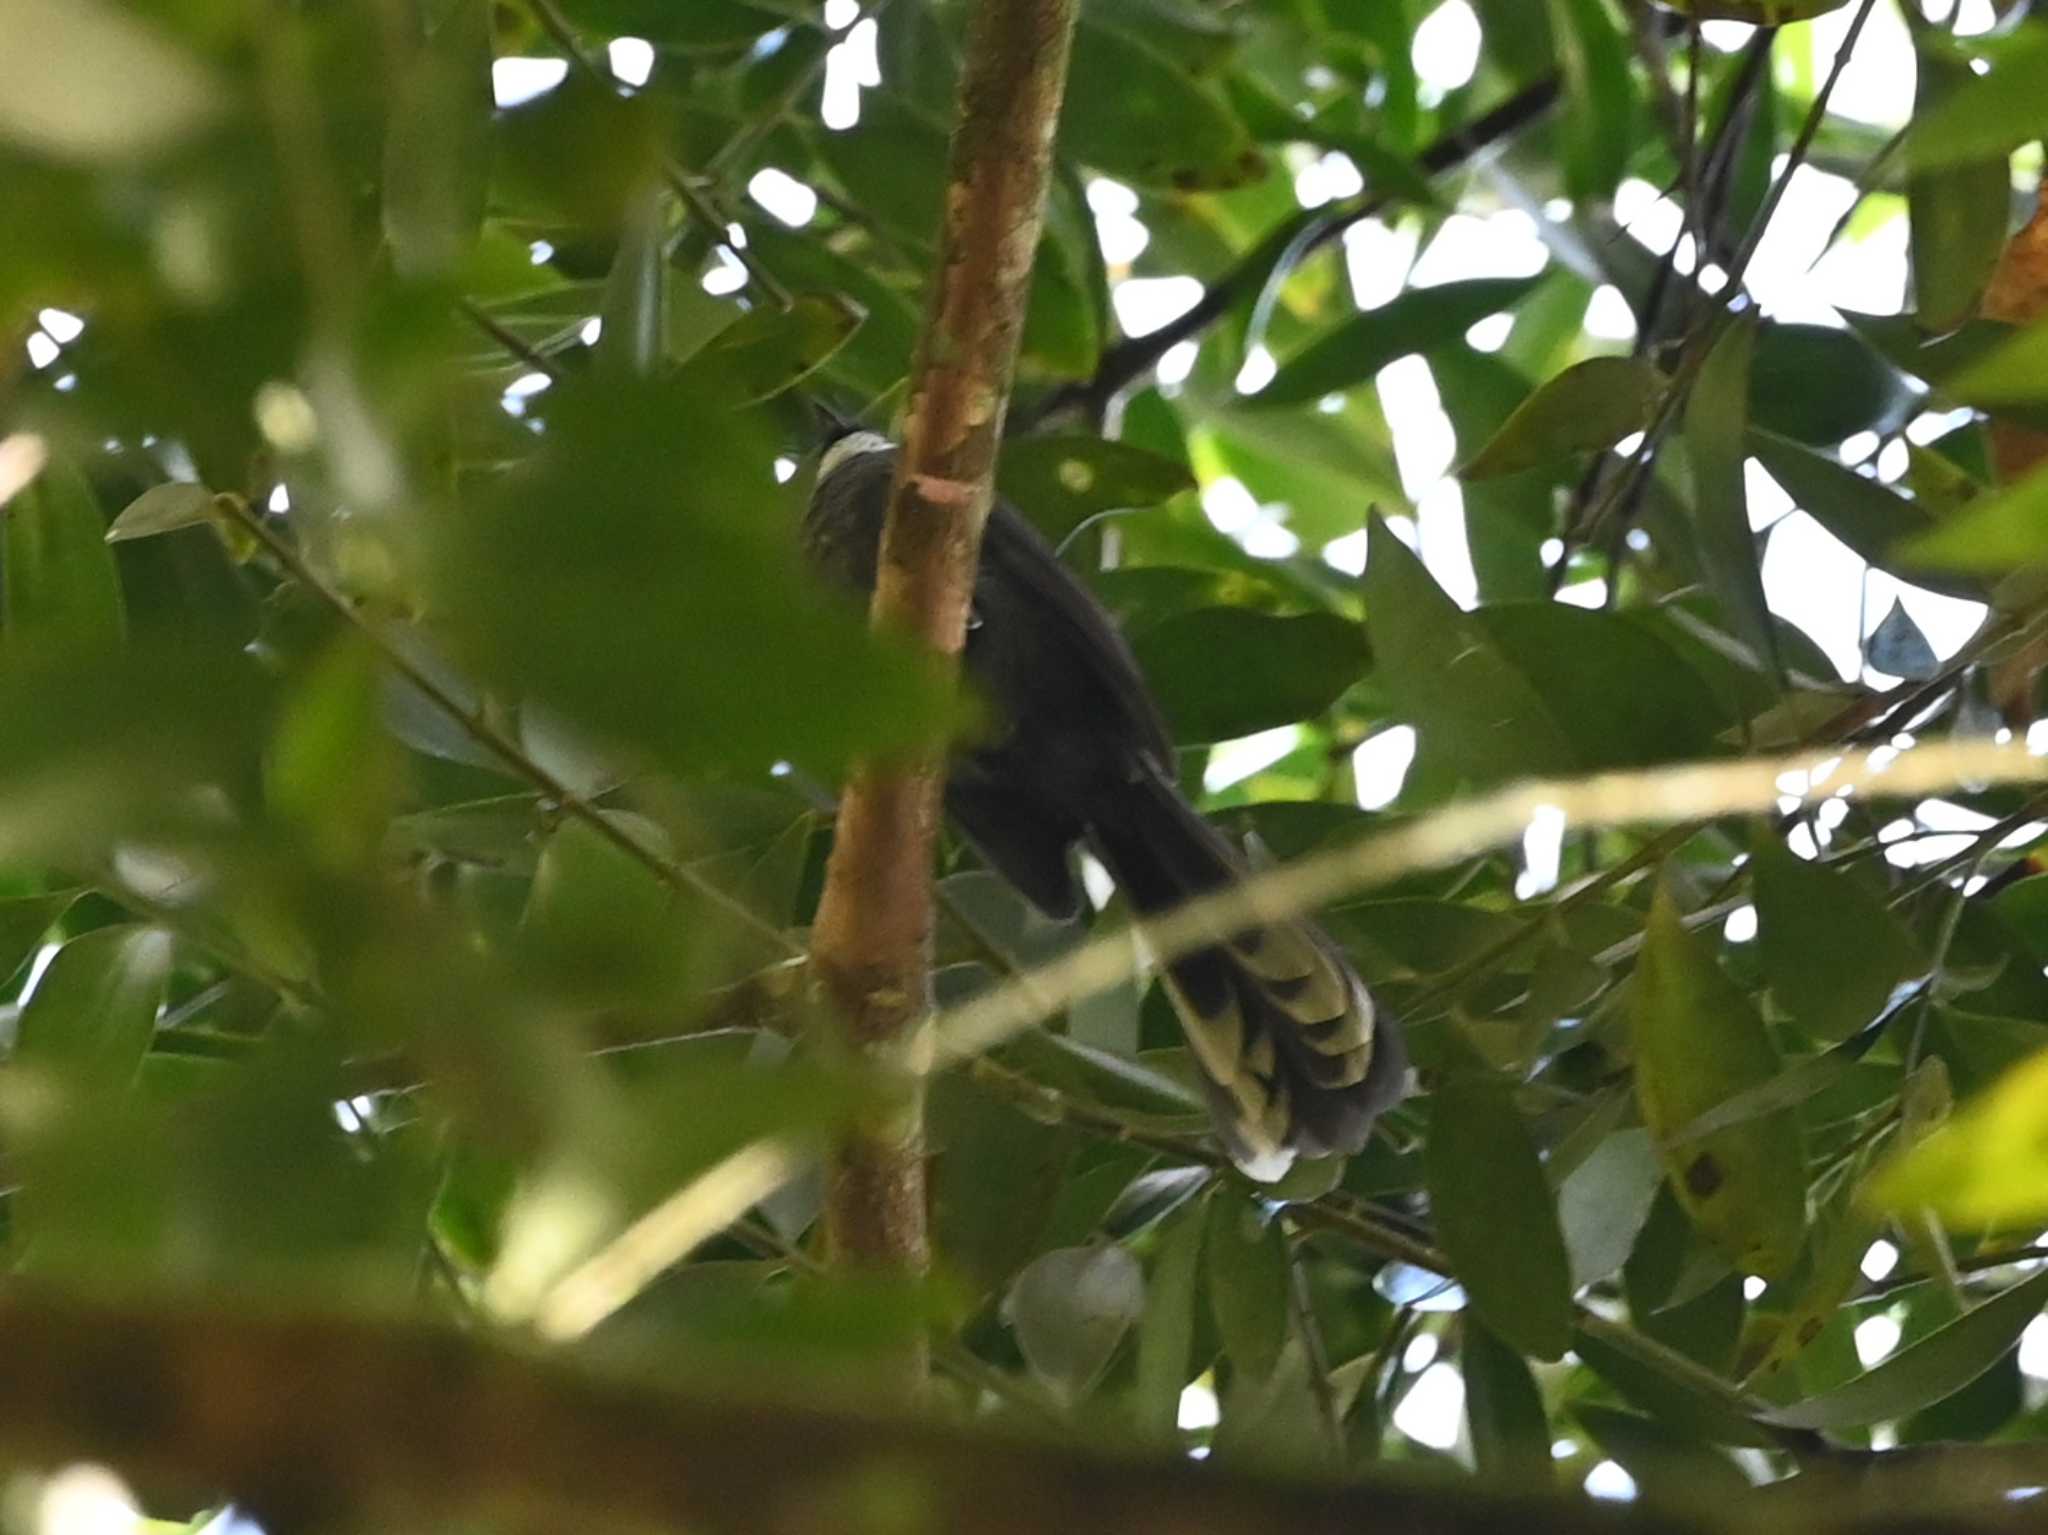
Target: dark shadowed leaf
1495,1215
1166,1334
1958,214
1599,98
1862,394
1503,1411
1897,646
1225,672
1247,1268
767,350
700,24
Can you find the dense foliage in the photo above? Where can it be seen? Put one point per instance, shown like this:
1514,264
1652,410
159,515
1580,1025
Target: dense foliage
411,812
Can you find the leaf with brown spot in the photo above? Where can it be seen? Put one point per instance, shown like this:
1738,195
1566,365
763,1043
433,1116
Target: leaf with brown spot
1699,1042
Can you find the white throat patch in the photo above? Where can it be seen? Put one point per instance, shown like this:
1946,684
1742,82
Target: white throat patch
853,445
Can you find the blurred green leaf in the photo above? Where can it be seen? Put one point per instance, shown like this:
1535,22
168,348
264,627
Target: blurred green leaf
437,149
331,772
635,309
2001,530
61,589
1986,116
655,506
99,84
1495,1215
1592,404
708,24
769,350
1699,1041
163,509
93,1012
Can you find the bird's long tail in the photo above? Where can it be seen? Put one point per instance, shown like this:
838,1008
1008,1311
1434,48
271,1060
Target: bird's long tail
1291,1052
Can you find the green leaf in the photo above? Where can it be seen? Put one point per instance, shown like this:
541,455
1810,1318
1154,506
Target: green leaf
1862,393
1986,116
1495,1216
437,148
1664,1463
163,509
768,350
1599,101
1450,678
1715,419
1415,320
641,577
331,771
635,308
1070,1309
1947,362
2001,530
1503,1411
1988,1166
893,166
1225,672
1862,512
1061,482
705,24
1604,1202
1698,1042
2014,371
1832,950
93,1012
1592,404
87,80
1132,113
23,921
1937,1366
1674,1400
1247,1264
61,588
1622,695
1166,1334
1958,215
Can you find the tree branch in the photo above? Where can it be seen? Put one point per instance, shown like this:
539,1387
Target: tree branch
872,939
1302,236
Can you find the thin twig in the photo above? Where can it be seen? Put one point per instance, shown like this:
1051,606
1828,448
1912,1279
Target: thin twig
676,876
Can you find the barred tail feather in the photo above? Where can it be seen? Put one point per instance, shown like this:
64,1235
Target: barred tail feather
1292,1054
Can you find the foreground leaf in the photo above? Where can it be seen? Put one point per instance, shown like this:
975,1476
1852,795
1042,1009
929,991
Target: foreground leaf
1592,404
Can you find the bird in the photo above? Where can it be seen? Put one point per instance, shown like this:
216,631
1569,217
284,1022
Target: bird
1294,1058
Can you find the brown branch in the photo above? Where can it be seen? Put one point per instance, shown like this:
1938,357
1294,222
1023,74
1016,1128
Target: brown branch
872,939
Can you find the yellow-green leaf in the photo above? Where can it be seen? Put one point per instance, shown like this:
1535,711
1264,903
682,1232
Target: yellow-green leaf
1987,1166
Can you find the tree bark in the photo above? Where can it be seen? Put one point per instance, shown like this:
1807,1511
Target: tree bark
871,943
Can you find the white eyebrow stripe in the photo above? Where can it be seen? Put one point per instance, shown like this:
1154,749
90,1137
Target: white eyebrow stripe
853,445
